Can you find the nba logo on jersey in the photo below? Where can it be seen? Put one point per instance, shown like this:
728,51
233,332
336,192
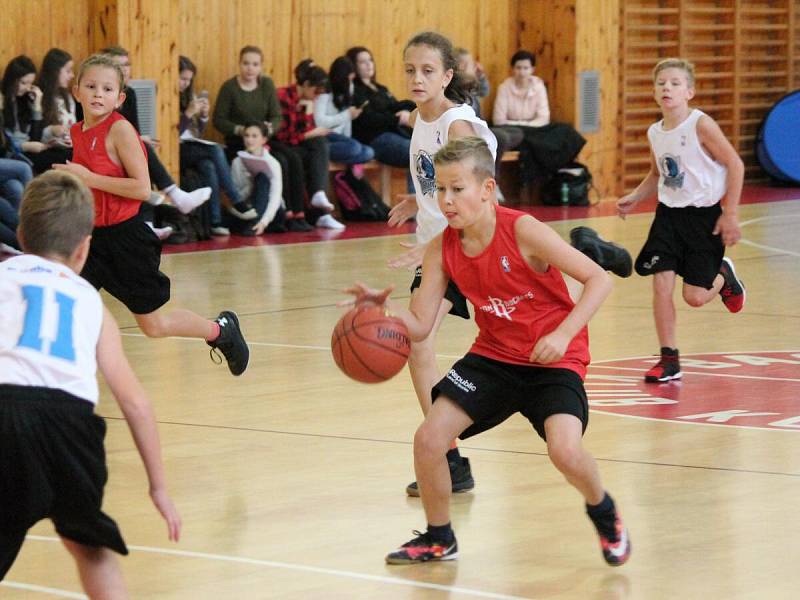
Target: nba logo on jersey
438,137
505,264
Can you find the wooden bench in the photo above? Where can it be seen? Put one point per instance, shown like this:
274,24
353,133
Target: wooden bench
386,172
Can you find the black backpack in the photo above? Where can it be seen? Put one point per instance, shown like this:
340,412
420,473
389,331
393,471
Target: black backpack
573,181
357,199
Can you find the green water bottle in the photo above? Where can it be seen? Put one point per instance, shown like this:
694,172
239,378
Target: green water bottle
564,194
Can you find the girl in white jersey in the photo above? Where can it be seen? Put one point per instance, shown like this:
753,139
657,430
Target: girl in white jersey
54,335
442,113
698,178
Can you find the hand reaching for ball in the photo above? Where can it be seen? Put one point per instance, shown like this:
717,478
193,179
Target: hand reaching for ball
365,296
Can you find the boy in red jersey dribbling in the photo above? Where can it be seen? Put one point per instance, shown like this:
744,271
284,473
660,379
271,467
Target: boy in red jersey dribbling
531,352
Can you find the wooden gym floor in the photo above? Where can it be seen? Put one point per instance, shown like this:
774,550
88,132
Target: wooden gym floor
291,478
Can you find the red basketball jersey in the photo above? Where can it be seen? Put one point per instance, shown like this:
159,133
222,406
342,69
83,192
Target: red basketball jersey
514,305
89,150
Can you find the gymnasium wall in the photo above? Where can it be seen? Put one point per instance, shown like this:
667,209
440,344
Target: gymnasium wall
748,52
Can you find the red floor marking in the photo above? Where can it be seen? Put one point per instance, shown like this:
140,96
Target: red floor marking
751,195
744,389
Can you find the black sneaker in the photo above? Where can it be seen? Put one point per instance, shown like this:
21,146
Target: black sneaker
242,210
460,476
617,548
230,342
612,257
423,549
298,226
732,291
666,369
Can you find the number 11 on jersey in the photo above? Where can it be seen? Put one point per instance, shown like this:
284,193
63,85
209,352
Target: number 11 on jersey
62,346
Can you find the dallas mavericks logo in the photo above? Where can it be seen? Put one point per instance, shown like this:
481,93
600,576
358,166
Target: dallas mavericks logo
423,164
671,169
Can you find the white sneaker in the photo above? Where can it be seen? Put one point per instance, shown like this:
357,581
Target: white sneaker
328,222
220,230
320,200
155,198
186,202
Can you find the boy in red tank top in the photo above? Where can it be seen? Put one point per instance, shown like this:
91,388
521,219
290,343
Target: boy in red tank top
125,254
531,352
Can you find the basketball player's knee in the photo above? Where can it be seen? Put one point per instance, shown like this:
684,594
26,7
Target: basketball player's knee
695,298
153,328
427,445
566,457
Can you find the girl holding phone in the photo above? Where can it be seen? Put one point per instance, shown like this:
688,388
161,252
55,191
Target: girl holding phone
335,111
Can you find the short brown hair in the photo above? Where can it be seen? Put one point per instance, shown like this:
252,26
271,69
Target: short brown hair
56,214
676,63
114,51
101,60
464,148
251,50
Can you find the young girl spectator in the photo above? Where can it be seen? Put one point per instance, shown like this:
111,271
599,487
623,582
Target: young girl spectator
184,201
248,97
207,158
22,113
15,169
258,176
58,105
334,110
304,144
384,124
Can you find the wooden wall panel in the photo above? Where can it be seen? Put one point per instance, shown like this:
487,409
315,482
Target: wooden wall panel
570,36
211,32
34,26
745,53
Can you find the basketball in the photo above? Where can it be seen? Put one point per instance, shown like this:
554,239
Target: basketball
370,346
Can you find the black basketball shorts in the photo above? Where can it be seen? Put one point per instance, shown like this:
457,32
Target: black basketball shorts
124,259
52,465
460,307
490,391
680,240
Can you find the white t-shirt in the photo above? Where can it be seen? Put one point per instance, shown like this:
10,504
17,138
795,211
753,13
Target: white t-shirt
688,176
50,320
425,142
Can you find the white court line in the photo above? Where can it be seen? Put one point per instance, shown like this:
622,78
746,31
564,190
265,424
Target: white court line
702,373
307,569
44,590
763,246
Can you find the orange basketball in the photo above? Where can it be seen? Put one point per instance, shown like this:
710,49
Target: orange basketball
370,346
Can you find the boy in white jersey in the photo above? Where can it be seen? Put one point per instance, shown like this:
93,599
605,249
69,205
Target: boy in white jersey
698,177
54,333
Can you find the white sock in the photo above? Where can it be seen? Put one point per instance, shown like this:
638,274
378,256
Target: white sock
320,200
186,202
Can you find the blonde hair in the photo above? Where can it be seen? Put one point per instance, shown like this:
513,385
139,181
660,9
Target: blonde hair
56,214
676,63
101,60
465,148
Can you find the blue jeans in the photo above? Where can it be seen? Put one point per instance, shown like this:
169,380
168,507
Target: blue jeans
394,149
347,150
14,176
9,219
210,163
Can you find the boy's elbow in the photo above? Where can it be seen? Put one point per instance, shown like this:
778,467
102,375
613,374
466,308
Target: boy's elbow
143,193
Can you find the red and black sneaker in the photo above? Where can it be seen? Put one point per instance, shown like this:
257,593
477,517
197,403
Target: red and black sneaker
666,369
732,292
618,550
423,549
